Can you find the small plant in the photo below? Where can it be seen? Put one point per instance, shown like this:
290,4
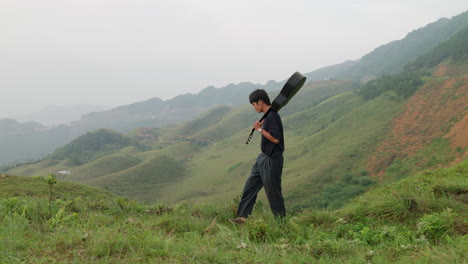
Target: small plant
51,180
158,209
62,218
257,229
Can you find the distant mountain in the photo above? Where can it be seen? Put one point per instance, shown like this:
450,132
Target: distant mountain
13,127
156,112
25,141
55,115
392,57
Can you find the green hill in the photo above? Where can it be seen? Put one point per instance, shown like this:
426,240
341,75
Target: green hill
103,166
88,147
205,120
145,180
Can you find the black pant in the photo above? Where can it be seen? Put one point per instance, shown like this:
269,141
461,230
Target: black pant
266,172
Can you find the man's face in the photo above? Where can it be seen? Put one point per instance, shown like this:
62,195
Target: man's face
257,106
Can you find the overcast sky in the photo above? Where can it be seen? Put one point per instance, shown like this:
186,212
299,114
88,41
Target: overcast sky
116,52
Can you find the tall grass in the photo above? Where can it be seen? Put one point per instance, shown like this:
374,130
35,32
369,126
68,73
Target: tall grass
418,220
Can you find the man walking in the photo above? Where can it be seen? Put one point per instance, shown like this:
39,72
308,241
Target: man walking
268,167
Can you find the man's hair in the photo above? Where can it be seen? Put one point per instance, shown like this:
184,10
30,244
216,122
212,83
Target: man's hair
258,95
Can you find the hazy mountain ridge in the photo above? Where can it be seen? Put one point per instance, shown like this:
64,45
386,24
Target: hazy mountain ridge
392,57
56,115
156,112
13,127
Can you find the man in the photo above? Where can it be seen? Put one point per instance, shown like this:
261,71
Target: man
268,167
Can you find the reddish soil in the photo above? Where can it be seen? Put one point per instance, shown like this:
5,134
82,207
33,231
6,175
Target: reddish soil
438,109
442,70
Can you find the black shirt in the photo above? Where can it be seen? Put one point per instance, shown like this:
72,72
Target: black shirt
274,126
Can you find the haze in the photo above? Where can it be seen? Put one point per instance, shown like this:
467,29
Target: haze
118,52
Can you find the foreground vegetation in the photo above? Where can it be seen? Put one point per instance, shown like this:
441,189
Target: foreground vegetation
421,219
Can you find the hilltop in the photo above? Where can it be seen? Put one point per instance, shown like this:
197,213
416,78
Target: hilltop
54,115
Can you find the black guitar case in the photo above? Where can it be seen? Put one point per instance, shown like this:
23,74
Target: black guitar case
290,88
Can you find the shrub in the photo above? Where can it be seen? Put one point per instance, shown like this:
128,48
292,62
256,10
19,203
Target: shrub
436,225
403,84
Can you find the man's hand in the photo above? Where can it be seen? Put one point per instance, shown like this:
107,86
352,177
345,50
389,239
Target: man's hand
257,125
266,134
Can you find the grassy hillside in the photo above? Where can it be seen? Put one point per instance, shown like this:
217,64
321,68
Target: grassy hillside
433,125
208,119
104,166
32,188
145,180
419,220
429,131
318,150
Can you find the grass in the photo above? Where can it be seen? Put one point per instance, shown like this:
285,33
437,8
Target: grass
92,226
433,154
103,166
144,178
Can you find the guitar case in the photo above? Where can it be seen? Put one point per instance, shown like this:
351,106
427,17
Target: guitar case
290,88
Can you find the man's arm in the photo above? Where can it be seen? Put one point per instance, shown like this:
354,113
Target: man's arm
258,125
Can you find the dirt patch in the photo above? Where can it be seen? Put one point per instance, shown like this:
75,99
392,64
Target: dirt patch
458,135
438,109
450,69
442,70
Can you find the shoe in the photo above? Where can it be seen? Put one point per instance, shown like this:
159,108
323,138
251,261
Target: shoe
237,221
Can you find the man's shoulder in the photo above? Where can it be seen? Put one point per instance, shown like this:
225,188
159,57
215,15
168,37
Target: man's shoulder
274,115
